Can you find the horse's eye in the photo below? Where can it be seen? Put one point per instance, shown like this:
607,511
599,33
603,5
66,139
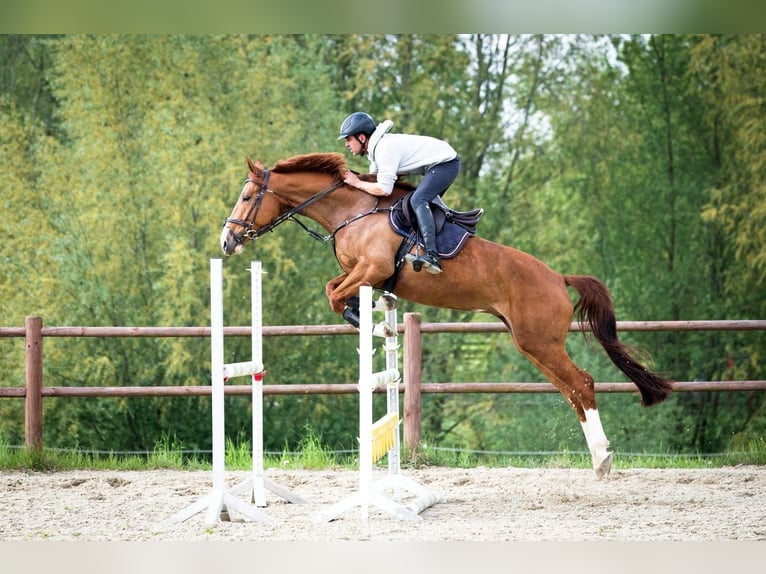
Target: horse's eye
245,198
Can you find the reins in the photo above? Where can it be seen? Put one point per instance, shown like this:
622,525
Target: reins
251,233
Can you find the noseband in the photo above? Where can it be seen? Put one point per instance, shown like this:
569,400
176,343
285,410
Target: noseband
248,222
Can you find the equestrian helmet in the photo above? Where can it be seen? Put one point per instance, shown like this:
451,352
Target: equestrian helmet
357,123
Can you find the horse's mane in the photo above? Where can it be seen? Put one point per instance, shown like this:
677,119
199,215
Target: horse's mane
332,163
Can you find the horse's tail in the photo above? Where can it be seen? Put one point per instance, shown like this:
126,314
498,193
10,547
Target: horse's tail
595,307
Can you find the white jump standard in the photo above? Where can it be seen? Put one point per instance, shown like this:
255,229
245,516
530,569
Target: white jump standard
219,500
381,437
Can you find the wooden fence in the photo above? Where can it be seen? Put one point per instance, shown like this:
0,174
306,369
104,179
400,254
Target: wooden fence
412,386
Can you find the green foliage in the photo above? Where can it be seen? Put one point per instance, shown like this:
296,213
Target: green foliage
238,454
166,453
312,452
316,455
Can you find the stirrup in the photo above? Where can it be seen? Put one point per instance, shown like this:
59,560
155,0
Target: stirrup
426,261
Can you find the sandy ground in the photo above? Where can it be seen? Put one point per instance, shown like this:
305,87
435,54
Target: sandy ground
481,504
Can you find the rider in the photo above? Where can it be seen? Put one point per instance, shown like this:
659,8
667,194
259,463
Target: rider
391,154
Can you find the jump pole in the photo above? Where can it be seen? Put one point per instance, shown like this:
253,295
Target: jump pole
219,500
380,438
257,485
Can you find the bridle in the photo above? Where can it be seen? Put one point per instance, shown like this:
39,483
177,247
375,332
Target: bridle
248,222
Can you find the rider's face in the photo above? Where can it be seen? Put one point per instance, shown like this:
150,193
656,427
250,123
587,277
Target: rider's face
354,145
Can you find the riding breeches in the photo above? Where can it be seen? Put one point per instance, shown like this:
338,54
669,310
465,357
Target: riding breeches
435,182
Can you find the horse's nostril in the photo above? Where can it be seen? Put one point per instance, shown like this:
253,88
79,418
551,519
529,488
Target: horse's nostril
225,241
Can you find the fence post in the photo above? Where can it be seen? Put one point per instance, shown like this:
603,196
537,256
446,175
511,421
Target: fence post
412,379
33,412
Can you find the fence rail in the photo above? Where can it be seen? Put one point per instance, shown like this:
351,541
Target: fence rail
412,387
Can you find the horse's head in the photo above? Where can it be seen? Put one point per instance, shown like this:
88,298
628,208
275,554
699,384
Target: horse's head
301,185
256,207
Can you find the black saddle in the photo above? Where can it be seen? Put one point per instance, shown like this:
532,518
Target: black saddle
403,216
453,229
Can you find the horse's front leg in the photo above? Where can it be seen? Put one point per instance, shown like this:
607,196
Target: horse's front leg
340,289
343,288
336,304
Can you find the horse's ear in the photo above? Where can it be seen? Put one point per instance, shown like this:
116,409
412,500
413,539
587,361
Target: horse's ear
254,167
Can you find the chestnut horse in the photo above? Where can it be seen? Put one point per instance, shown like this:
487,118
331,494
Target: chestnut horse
529,297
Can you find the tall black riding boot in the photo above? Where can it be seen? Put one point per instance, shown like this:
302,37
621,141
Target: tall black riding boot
430,259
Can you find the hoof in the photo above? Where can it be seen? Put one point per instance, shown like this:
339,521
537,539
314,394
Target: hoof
383,329
386,302
602,469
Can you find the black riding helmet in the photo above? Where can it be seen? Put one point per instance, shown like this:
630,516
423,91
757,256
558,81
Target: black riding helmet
357,123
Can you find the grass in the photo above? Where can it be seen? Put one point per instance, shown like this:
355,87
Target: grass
313,454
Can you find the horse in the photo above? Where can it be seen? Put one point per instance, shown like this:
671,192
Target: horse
528,296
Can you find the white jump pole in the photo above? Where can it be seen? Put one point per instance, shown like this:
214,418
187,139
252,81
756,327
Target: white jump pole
218,501
372,492
258,483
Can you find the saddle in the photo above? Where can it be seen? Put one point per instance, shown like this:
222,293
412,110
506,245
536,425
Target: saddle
404,222
453,228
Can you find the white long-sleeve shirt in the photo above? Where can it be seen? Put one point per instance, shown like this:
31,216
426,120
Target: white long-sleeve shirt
391,154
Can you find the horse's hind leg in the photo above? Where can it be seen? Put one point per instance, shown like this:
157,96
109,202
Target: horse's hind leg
597,443
578,389
548,353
